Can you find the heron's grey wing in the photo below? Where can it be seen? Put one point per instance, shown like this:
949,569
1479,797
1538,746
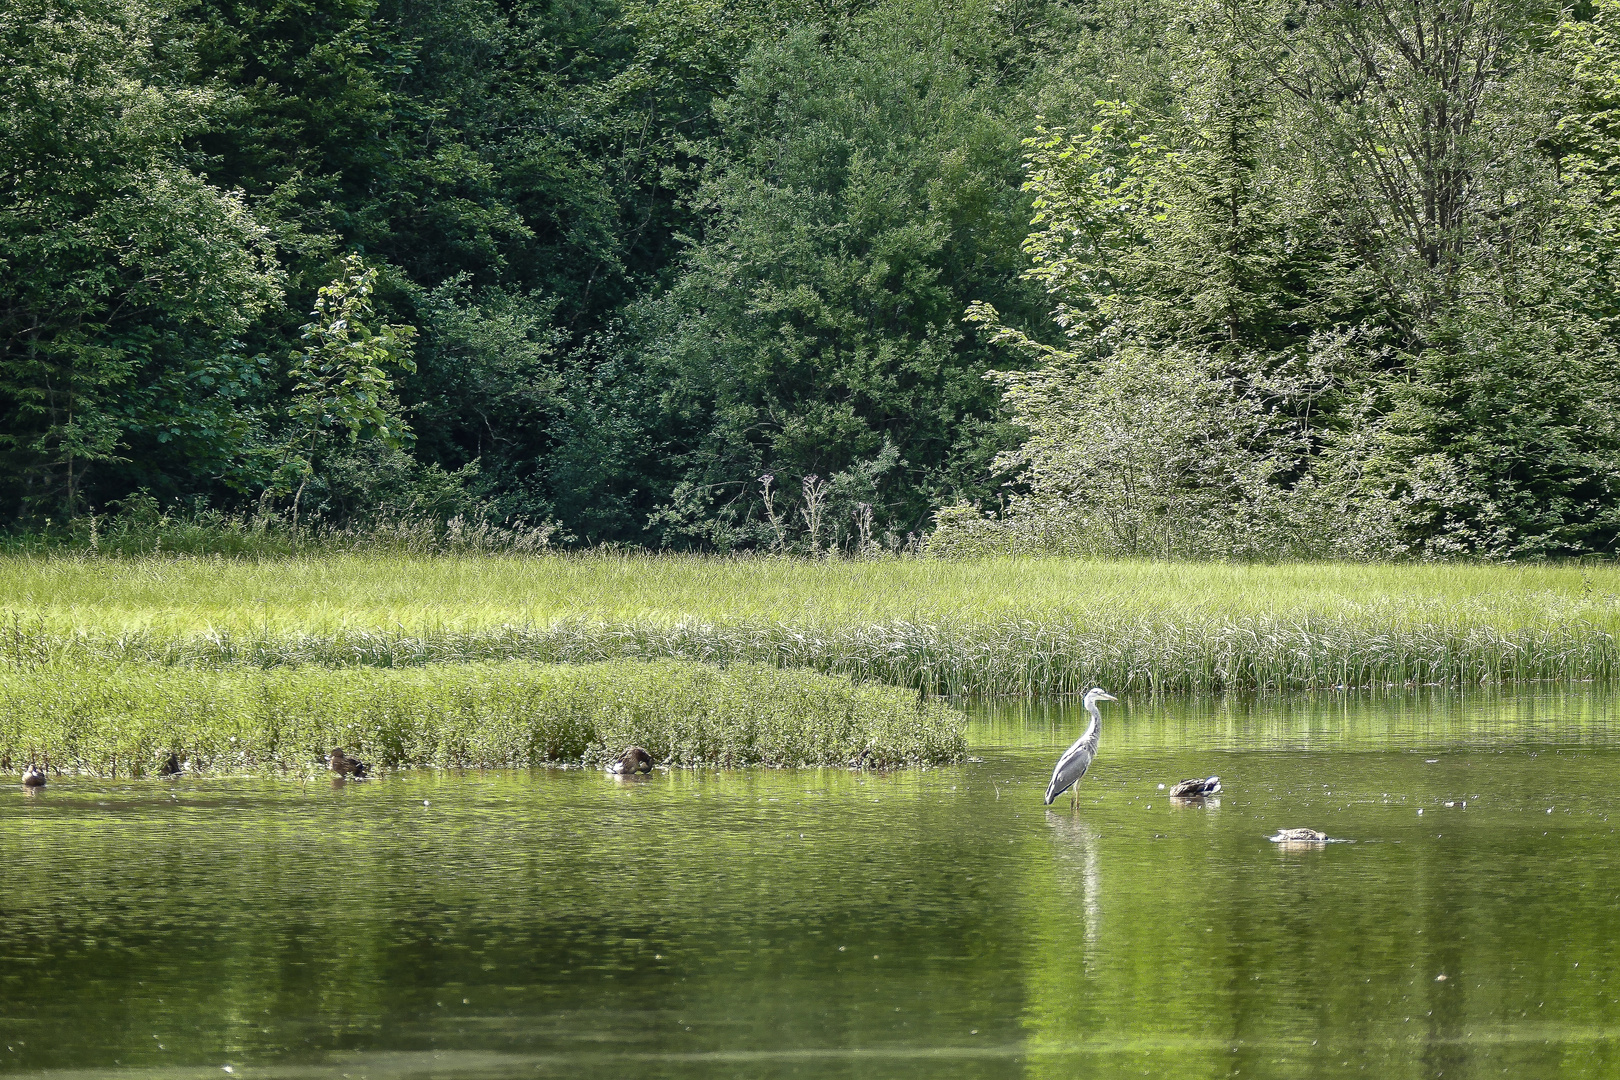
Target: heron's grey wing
1073,764
1070,768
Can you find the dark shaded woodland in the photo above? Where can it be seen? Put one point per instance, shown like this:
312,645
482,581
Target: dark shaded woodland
1108,276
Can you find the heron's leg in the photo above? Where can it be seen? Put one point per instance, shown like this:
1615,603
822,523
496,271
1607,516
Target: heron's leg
1074,797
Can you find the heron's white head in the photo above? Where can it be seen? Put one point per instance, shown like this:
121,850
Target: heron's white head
1096,694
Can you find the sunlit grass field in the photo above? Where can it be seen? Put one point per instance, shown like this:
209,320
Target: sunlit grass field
994,626
323,594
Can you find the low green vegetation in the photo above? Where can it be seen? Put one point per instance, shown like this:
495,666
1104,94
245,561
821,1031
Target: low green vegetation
981,626
126,720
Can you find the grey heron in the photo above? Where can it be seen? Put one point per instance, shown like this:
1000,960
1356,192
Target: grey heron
1077,759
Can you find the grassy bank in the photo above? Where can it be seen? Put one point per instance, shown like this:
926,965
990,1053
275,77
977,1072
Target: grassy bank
125,720
992,626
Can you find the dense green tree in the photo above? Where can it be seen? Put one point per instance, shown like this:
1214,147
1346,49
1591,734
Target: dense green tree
126,278
1348,239
859,191
1426,126
1325,278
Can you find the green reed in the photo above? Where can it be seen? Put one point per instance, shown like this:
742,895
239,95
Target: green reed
124,720
989,626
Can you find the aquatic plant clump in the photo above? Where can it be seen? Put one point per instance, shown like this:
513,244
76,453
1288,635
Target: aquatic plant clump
125,720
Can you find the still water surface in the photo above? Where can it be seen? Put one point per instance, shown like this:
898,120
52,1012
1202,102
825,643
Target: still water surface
940,923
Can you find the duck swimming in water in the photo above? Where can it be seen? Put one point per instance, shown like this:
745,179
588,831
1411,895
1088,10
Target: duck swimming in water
1298,836
1196,789
33,777
633,760
344,765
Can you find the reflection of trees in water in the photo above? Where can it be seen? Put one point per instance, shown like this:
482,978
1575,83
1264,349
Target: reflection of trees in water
1435,719
709,905
1207,950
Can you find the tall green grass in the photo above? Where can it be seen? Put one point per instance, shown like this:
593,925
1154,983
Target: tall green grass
321,593
143,528
127,719
988,626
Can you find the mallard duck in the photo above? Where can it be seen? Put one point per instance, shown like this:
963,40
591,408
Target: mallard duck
344,765
633,760
170,767
1298,836
33,776
1196,789
859,760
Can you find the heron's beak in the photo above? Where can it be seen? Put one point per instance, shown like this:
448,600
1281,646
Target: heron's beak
1108,697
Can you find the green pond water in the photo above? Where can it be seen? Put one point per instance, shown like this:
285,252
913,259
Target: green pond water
935,923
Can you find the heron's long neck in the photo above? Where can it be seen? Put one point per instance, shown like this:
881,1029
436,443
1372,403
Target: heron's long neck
1096,714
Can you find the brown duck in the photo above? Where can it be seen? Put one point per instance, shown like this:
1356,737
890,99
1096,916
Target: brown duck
33,777
1196,789
633,760
344,765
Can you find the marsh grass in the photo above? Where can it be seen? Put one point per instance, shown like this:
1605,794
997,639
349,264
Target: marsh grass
144,529
125,720
986,626
971,627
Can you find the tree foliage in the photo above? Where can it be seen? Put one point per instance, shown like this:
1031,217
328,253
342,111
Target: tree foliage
126,277
857,194
1326,278
339,387
1351,234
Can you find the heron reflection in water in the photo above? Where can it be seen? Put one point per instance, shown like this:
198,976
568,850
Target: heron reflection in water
1077,759
1076,851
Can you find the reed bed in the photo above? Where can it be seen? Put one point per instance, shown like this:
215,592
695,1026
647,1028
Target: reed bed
974,627
126,720
983,659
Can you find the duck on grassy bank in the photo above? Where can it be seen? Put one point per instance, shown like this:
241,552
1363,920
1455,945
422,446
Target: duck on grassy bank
33,777
171,766
633,760
1196,789
344,765
1077,759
